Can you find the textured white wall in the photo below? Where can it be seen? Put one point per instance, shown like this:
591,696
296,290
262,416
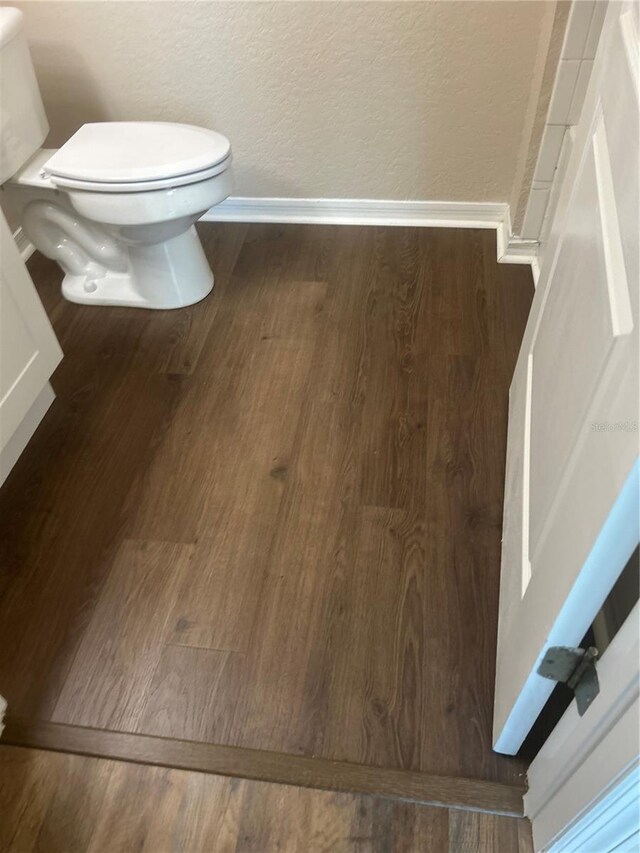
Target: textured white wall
394,100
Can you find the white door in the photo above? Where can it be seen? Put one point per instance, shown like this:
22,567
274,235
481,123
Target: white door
571,497
29,351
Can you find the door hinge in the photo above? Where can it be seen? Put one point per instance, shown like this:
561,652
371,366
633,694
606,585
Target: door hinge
576,668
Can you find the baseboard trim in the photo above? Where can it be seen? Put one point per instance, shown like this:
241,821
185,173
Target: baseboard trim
24,244
389,783
515,250
346,211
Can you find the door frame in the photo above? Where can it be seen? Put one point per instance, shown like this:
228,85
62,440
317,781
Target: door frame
583,783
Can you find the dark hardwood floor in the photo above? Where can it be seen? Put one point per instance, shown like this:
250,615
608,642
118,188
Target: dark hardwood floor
273,520
57,803
268,766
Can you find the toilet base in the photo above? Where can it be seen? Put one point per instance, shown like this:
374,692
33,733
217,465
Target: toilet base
166,275
118,289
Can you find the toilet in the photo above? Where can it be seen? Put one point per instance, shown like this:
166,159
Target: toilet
115,206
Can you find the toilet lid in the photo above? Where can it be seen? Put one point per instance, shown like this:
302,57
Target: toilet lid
128,151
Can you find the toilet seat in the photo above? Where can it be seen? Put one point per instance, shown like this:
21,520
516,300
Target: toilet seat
141,186
136,156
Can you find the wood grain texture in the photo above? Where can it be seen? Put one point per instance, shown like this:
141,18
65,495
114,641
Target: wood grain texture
470,832
308,467
185,692
114,666
471,794
71,804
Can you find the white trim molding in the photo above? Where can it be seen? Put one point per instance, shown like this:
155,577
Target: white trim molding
24,244
612,823
516,250
356,211
345,211
588,763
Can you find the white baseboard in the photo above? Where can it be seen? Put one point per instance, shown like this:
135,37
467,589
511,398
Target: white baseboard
515,250
345,211
25,246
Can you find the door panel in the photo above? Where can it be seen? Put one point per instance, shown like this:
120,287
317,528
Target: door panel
574,343
573,440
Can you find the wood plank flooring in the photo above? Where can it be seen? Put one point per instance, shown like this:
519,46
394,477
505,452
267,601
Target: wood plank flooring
313,772
67,804
272,520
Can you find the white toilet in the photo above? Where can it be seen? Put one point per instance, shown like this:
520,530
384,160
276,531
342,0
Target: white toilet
115,206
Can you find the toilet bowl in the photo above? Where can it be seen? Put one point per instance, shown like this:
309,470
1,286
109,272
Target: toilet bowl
115,206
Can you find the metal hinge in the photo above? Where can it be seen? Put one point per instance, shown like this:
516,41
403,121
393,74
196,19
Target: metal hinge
576,668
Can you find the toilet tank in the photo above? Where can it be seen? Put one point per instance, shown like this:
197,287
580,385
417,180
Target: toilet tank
23,123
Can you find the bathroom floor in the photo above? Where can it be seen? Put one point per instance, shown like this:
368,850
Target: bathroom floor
273,519
106,806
